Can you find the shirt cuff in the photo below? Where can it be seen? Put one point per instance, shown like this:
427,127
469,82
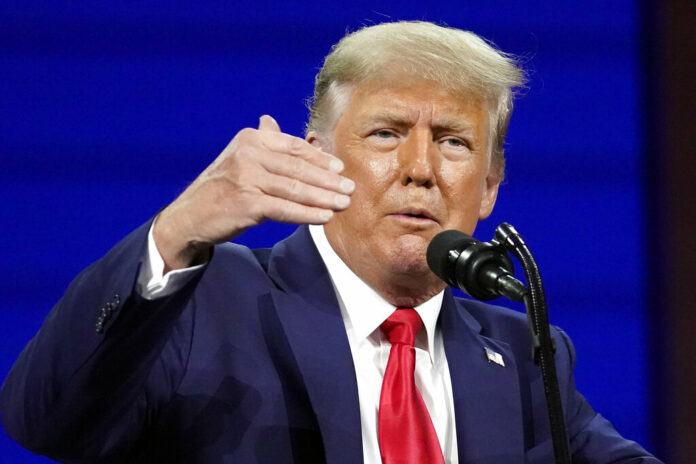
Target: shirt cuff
151,283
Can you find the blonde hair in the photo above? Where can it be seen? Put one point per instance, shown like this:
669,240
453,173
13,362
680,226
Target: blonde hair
458,60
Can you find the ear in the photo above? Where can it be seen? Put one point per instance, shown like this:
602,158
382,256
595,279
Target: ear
490,194
313,139
318,141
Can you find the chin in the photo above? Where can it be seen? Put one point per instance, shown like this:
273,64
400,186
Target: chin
407,255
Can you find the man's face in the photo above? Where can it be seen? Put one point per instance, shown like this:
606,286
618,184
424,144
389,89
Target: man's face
419,157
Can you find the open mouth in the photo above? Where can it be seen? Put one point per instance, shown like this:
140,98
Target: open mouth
415,215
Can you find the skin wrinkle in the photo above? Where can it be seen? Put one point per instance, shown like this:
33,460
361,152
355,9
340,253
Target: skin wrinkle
414,161
339,96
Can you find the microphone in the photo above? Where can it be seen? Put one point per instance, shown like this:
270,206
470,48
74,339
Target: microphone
480,269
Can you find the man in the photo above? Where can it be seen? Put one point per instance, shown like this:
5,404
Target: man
179,347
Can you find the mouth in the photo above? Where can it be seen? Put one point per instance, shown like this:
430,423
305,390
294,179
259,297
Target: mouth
414,215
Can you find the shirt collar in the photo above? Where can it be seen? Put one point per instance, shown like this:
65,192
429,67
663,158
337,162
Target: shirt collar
356,296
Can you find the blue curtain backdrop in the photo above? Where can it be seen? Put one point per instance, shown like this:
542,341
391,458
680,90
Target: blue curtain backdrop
108,111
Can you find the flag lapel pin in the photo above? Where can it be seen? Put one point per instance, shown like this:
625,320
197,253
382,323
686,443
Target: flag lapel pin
494,357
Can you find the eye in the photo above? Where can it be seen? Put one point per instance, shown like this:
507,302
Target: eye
384,134
455,142
384,139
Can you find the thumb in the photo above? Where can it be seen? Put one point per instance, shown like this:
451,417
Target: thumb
267,123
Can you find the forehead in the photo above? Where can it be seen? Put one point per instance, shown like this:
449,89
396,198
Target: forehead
416,101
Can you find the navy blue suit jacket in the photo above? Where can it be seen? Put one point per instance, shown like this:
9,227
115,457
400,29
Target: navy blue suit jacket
250,363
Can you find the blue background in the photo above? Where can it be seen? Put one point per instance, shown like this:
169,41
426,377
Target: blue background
108,111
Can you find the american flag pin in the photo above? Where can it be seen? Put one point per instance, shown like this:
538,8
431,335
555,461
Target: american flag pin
494,357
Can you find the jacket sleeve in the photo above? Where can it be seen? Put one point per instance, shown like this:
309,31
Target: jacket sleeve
103,362
592,438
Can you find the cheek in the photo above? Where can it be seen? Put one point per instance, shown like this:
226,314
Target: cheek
462,188
371,175
460,180
381,169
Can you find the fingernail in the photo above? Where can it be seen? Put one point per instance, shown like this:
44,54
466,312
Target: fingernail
347,186
342,201
336,165
326,215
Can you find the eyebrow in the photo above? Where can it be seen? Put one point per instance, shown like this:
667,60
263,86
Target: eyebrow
442,124
457,125
391,117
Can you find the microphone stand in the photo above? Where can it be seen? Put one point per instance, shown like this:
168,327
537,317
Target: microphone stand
543,346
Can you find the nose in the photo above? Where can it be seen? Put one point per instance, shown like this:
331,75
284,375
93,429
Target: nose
415,156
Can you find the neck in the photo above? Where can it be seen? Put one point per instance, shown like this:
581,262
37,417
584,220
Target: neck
402,286
407,293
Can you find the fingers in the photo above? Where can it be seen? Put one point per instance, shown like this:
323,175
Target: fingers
261,174
300,192
282,210
287,144
305,172
284,178
274,140
301,163
268,124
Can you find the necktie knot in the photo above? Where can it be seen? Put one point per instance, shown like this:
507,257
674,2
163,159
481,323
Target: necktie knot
402,326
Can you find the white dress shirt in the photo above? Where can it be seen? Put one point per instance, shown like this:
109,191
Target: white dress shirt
363,311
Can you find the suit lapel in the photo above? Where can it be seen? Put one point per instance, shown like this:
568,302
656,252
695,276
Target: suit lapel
486,395
309,313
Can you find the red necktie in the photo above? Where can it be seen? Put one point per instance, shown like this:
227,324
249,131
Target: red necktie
406,433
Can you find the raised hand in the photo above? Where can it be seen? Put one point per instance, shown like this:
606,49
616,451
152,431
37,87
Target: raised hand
262,174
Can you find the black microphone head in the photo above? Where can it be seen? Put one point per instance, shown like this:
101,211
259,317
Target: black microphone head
438,253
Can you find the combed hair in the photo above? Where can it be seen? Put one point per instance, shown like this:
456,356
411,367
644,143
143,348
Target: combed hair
458,60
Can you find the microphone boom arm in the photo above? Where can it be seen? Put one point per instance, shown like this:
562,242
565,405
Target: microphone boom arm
543,346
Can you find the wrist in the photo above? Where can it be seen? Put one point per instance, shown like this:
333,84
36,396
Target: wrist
173,245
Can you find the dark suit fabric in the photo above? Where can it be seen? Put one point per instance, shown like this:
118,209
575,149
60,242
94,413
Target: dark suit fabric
250,363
